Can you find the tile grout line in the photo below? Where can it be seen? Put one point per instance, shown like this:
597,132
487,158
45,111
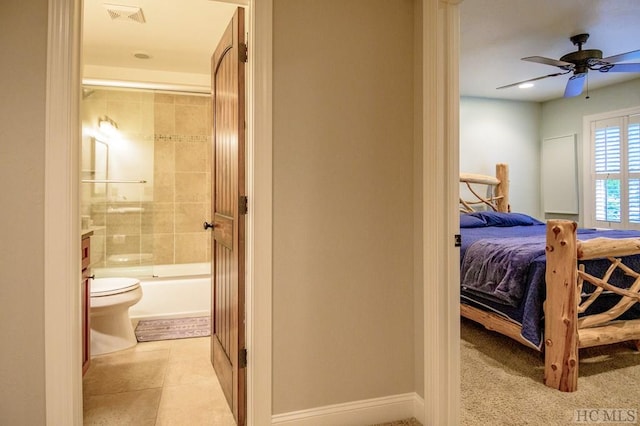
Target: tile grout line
164,377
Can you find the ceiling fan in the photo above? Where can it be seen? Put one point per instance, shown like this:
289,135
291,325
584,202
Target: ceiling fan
580,62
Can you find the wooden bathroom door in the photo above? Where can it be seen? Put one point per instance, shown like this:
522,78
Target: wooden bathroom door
228,353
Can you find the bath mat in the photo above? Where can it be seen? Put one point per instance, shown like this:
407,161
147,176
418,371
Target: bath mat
174,328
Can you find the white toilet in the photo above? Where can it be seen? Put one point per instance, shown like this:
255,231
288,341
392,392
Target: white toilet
111,328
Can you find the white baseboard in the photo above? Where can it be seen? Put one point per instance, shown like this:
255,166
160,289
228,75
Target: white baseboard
358,413
418,408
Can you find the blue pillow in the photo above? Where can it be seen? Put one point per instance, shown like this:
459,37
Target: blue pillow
506,219
470,221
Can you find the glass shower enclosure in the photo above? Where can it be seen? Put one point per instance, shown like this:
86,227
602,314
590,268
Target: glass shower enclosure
145,177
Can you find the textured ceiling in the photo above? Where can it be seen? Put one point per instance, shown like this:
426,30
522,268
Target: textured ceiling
180,35
495,34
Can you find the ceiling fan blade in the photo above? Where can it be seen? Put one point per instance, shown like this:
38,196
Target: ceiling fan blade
549,61
574,86
532,79
622,68
629,56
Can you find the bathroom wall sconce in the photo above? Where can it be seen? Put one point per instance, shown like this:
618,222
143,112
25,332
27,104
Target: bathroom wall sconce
107,126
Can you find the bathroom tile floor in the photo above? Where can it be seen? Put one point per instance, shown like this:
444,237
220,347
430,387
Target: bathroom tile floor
169,382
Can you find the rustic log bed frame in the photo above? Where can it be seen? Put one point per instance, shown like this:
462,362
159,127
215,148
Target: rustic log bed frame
564,332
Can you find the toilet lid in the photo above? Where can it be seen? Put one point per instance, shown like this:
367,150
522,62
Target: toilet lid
112,285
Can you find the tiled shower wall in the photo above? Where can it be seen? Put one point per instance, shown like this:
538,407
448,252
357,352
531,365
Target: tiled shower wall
176,201
182,179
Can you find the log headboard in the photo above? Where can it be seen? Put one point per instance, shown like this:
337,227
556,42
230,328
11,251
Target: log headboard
497,188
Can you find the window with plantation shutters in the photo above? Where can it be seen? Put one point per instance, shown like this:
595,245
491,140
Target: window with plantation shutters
615,173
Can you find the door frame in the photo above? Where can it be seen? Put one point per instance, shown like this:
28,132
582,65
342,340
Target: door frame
441,182
63,390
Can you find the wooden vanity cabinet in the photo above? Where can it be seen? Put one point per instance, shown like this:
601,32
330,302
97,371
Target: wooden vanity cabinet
85,291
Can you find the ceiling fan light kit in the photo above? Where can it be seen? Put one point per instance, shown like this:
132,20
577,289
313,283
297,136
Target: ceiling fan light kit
579,63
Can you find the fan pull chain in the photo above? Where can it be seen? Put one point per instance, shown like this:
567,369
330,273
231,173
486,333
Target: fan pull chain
587,77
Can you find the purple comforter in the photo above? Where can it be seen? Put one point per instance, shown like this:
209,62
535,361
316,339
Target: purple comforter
521,300
497,268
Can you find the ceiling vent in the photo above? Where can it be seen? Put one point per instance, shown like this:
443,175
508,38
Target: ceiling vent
125,13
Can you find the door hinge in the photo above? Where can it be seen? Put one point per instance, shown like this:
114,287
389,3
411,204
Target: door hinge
457,238
242,358
243,52
243,207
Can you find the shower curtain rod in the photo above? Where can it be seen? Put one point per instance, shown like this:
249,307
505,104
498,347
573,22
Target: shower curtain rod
112,181
160,87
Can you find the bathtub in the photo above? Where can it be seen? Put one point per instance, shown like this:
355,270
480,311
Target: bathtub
174,291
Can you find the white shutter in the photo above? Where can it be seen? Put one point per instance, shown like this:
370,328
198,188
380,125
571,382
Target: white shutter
607,150
600,200
612,175
607,158
633,162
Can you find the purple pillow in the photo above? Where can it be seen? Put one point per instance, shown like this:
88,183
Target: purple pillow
470,221
506,219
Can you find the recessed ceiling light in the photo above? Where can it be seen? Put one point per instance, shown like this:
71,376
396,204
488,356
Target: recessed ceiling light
525,85
141,55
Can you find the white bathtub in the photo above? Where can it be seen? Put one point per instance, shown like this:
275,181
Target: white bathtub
174,291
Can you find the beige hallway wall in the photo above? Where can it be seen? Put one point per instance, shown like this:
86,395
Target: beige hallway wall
23,42
343,325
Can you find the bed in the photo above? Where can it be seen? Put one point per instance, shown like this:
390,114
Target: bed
550,286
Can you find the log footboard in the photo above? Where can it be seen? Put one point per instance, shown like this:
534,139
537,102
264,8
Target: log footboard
564,332
561,308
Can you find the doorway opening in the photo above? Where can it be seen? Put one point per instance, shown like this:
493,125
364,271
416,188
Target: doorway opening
145,189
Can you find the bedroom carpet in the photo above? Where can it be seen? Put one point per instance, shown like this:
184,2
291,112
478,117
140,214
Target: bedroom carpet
406,422
175,328
502,382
